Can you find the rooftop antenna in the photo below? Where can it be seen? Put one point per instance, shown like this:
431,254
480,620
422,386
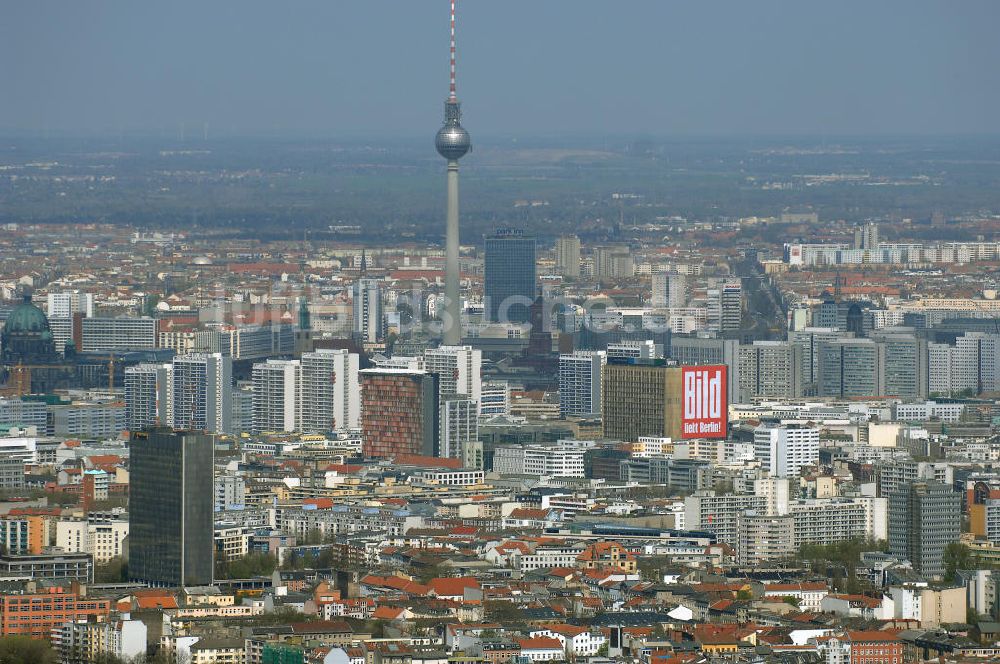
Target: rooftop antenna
451,89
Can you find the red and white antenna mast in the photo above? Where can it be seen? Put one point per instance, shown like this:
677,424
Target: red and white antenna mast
452,95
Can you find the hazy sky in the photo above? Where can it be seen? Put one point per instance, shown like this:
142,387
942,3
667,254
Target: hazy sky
614,67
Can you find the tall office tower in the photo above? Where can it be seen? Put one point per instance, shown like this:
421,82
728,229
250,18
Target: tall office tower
904,364
854,321
495,399
731,307
976,363
669,290
329,393
242,418
276,395
771,369
849,368
459,370
703,351
509,277
149,396
636,398
826,315
118,334
939,369
65,304
452,143
809,339
203,392
866,237
971,366
568,255
784,450
399,412
924,518
713,307
459,430
171,496
580,382
369,324
613,261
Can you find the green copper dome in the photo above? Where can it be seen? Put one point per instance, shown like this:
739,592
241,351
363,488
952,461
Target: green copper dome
26,317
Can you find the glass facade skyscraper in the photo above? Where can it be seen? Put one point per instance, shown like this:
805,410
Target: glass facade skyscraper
171,490
509,276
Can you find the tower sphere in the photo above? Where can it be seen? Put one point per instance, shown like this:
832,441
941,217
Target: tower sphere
452,141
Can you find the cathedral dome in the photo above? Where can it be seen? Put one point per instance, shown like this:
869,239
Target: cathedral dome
26,318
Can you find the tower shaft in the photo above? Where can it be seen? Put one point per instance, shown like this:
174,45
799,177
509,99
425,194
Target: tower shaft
453,307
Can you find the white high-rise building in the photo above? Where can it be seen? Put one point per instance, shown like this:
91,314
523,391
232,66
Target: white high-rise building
459,370
369,323
580,382
459,430
783,450
149,396
203,392
276,395
669,290
330,392
67,303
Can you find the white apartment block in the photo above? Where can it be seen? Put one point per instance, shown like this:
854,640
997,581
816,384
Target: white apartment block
538,460
784,450
102,539
580,382
149,396
67,303
827,520
330,391
203,392
458,428
459,370
230,492
275,396
719,513
547,556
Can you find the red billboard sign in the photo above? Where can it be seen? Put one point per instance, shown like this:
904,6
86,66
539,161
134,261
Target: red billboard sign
705,409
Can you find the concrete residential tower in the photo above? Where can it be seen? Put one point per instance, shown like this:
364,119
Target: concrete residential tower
452,142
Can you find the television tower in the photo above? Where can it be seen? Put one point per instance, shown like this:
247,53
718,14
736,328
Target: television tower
452,142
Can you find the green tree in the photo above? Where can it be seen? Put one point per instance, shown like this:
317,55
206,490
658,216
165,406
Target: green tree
113,571
22,650
250,565
956,556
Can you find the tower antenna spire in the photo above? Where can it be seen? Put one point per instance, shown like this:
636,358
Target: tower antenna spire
452,143
452,95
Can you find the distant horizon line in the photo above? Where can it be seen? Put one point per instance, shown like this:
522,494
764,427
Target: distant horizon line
194,135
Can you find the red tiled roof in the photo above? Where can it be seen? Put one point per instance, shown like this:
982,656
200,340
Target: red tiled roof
539,643
452,587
